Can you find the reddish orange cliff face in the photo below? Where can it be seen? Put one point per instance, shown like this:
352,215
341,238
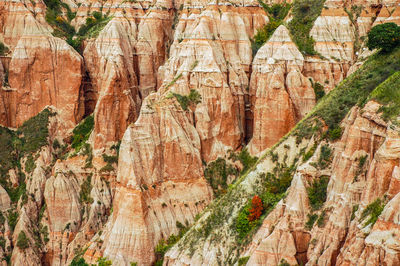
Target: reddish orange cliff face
116,115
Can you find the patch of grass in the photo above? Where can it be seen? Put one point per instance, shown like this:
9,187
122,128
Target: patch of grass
325,157
388,94
164,245
185,101
216,173
373,211
334,133
273,188
22,241
243,261
318,90
304,12
30,164
309,153
321,219
276,14
356,88
3,49
86,188
12,219
353,212
317,192
245,158
34,133
82,132
311,221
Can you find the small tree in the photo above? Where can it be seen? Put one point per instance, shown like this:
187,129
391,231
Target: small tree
384,36
256,208
22,241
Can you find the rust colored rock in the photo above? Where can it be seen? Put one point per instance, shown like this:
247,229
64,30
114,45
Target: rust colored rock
153,192
43,71
280,94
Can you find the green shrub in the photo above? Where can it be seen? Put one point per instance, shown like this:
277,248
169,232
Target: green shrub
283,262
3,49
384,36
334,133
311,221
317,192
310,153
86,188
185,101
318,90
373,211
304,12
3,243
276,14
353,212
30,164
82,132
22,241
78,261
325,157
216,173
243,225
243,261
321,219
103,262
247,160
12,219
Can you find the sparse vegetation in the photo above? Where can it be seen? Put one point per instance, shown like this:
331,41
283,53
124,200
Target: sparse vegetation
353,212
304,12
62,27
3,49
82,132
276,14
22,241
311,221
317,192
103,262
388,94
78,261
86,188
318,90
164,245
353,90
274,186
372,211
185,101
325,156
217,173
243,261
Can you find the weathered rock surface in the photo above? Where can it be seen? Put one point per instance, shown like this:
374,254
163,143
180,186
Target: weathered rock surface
153,193
280,94
43,71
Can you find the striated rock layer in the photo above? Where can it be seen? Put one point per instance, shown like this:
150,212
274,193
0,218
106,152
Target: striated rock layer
153,192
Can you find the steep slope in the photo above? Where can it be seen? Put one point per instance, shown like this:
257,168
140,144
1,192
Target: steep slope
360,167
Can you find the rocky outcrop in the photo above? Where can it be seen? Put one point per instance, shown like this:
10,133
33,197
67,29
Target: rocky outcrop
109,60
153,193
280,94
282,235
43,71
